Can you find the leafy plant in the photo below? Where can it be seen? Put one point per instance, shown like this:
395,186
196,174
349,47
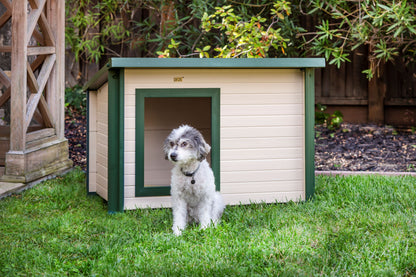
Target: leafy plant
331,121
387,27
180,28
238,37
250,39
96,29
75,100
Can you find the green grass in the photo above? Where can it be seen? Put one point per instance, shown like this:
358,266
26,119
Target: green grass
363,226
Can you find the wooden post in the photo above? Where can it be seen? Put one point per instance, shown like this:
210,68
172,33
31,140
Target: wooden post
38,147
56,83
376,95
19,76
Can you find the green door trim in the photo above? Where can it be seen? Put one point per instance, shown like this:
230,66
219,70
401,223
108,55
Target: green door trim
141,94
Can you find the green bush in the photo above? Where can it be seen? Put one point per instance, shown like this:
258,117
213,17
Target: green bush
331,121
75,100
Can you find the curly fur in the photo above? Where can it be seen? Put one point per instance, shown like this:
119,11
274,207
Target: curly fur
194,198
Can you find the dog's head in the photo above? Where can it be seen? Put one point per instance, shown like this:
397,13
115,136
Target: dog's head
185,144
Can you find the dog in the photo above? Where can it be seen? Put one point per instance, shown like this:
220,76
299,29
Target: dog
194,198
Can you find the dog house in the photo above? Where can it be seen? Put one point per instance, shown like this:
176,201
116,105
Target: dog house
257,115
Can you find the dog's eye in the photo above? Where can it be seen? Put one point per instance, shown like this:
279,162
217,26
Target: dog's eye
184,144
172,144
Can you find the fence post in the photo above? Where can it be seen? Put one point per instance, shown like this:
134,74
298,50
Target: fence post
376,96
376,91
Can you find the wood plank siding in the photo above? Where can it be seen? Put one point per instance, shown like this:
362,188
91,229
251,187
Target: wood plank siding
98,142
261,135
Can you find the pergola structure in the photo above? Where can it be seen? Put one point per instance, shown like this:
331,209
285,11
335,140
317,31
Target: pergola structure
32,142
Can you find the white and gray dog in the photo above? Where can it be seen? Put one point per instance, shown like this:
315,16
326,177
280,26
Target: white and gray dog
194,198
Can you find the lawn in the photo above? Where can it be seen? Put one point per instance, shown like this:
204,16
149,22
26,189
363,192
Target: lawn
359,225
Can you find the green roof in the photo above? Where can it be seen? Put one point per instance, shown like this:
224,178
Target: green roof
216,63
101,77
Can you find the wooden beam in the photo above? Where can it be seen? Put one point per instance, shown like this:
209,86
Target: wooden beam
46,114
40,134
4,79
55,94
31,80
5,48
43,50
19,76
47,36
32,50
46,30
37,62
34,16
400,102
7,4
34,4
5,17
46,71
7,14
37,116
42,81
37,35
5,96
347,101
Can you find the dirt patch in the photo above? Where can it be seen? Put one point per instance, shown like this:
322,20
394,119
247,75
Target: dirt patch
365,148
76,133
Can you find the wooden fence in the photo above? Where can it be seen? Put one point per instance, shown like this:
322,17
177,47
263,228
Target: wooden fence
388,98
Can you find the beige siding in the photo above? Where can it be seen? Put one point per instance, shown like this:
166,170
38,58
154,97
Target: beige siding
92,137
262,131
101,142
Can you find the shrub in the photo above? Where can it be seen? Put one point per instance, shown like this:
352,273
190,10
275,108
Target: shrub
75,100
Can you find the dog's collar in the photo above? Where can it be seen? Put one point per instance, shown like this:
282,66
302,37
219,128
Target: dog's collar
191,174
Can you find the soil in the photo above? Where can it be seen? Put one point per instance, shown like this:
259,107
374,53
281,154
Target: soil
76,133
352,147
365,148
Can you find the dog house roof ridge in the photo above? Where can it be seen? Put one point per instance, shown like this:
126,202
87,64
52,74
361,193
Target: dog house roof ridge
267,63
216,63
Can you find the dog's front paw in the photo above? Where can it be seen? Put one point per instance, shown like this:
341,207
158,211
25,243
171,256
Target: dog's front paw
177,231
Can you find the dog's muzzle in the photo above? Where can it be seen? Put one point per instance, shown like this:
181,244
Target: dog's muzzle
173,156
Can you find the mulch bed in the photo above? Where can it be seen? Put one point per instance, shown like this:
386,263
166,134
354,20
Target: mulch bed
365,148
76,133
351,148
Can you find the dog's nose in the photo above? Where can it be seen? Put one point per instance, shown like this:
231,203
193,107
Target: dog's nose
173,156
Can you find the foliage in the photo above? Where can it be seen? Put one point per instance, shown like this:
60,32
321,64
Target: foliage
262,28
83,19
248,39
331,121
96,28
387,27
238,37
359,225
75,100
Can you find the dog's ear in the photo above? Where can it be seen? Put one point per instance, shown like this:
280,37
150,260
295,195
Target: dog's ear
202,146
205,151
166,148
